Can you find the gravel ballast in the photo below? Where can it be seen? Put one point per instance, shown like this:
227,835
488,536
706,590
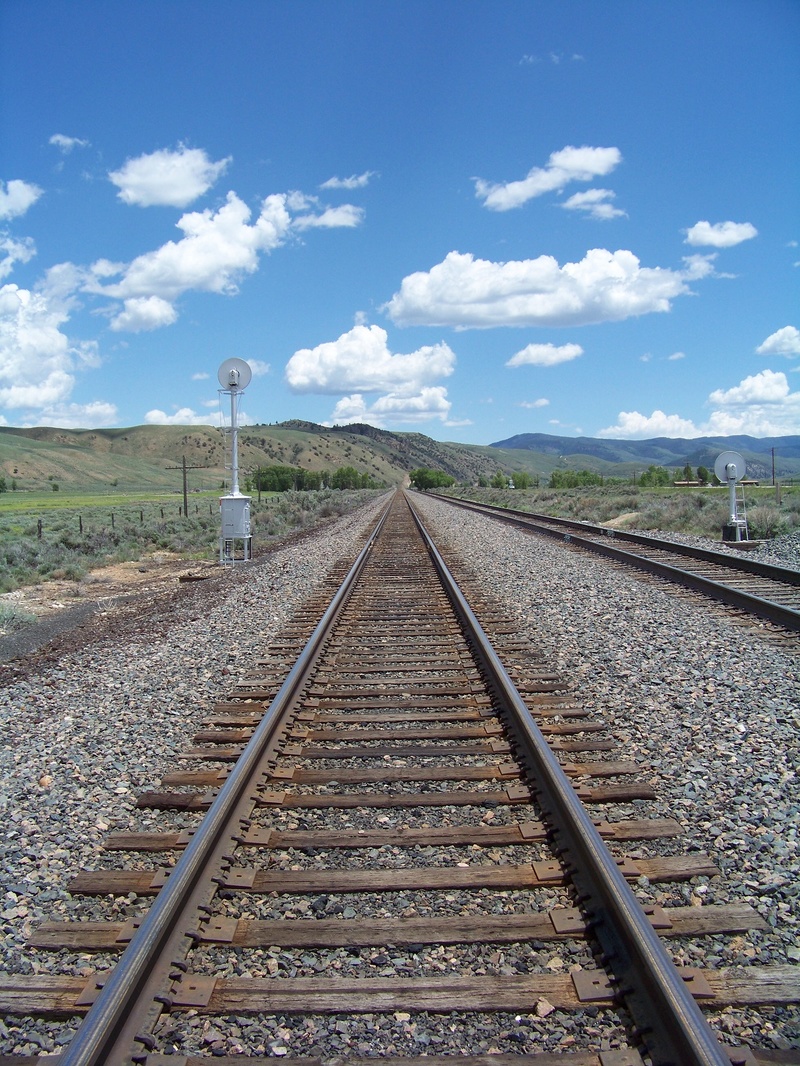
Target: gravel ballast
707,705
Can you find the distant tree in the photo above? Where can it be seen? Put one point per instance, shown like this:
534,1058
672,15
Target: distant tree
500,480
3,486
703,475
522,480
655,477
424,479
687,473
347,477
272,479
308,479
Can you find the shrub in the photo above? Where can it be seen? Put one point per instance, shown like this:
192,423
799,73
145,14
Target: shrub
13,617
765,522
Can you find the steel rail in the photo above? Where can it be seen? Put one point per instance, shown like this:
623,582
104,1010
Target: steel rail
709,555
669,1022
113,1024
788,617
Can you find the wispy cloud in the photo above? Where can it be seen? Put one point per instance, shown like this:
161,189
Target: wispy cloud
596,203
355,181
66,144
563,167
545,355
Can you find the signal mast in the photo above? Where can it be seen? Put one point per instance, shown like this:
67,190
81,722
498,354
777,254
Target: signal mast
235,541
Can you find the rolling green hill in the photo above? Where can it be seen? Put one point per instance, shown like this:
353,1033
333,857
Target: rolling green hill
150,458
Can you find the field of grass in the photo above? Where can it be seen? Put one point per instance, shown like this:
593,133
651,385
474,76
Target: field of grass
66,537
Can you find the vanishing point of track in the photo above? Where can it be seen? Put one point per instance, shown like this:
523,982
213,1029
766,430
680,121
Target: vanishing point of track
398,707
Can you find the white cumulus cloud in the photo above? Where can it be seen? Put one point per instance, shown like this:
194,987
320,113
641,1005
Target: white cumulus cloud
604,286
144,313
215,250
36,361
568,165
167,178
784,341
17,196
360,360
769,386
760,406
394,409
183,416
545,355
78,415
720,234
632,425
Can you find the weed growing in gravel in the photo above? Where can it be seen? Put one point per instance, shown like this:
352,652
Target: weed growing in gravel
14,617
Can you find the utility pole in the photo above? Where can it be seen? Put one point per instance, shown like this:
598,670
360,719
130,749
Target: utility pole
183,467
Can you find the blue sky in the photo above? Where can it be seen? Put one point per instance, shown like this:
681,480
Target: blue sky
466,218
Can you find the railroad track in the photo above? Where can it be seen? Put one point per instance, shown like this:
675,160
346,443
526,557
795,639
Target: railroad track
761,589
397,762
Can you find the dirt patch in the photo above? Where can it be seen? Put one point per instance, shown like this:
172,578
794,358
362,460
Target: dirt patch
152,575
111,602
622,521
115,603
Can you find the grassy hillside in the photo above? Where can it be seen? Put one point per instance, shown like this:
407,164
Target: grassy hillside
149,458
144,458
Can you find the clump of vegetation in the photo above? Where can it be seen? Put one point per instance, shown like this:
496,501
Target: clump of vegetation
766,522
14,617
286,478
424,479
573,479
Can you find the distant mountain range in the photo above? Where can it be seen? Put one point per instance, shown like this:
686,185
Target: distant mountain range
670,452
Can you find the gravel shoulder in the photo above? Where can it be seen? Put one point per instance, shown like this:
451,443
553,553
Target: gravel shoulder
707,702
